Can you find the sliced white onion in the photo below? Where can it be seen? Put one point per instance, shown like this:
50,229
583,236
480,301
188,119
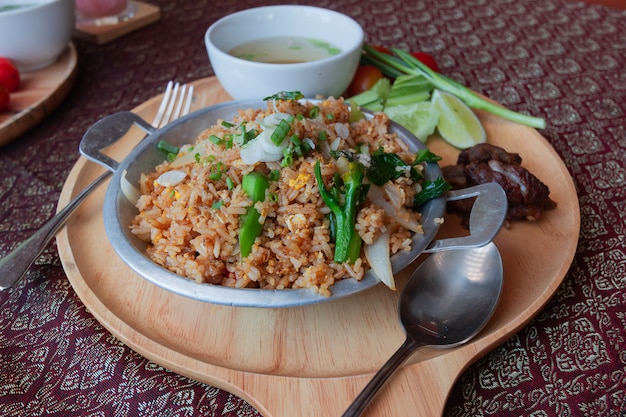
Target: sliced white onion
394,194
265,141
400,215
261,149
171,178
131,192
379,258
201,150
274,119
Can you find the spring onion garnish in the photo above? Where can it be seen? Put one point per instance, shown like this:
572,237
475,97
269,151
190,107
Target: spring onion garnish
285,95
281,131
168,148
405,63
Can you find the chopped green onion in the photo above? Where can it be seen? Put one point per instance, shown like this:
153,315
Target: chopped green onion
287,158
314,112
281,131
274,175
163,146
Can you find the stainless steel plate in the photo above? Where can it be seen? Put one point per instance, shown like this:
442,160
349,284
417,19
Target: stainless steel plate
119,212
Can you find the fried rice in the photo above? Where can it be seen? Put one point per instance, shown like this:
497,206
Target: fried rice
191,216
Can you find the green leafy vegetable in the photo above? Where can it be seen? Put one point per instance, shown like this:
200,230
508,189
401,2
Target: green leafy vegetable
425,155
430,190
387,167
285,95
352,192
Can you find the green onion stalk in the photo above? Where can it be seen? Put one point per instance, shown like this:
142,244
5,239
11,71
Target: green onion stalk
405,63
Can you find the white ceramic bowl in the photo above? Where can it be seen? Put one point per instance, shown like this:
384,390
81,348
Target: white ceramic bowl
34,34
244,79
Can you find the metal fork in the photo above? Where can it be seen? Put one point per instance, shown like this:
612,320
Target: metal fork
176,102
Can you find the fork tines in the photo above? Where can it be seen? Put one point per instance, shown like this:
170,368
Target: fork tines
176,102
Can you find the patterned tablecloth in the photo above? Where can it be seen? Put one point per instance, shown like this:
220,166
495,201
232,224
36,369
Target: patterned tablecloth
557,59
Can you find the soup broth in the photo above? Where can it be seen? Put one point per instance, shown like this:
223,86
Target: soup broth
10,7
284,50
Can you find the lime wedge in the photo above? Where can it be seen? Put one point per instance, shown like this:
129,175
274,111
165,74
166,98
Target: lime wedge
419,118
458,125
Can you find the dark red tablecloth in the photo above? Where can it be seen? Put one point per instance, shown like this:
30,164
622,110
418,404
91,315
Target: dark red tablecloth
561,60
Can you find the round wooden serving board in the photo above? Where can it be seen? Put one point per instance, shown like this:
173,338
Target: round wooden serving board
40,92
313,360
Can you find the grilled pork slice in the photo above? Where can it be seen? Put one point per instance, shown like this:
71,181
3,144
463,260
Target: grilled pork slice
527,196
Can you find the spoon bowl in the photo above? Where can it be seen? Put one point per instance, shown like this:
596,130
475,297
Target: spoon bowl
451,296
447,301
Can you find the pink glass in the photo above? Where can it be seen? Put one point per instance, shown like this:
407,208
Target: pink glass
103,12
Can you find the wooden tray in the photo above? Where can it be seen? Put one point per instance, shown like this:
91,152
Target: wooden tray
40,92
145,14
312,361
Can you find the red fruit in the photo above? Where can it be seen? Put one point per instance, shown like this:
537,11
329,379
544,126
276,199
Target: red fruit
364,79
382,49
9,75
427,60
5,98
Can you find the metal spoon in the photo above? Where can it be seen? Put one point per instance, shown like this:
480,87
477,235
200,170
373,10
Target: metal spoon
447,301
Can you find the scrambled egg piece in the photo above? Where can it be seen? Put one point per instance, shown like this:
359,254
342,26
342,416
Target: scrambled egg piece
300,181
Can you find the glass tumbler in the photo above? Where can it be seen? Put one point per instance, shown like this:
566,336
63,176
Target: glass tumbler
103,12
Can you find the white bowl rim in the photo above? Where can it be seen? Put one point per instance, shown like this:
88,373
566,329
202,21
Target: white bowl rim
359,35
30,6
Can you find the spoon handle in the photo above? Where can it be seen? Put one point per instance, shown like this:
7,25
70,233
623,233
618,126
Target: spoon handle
15,264
361,402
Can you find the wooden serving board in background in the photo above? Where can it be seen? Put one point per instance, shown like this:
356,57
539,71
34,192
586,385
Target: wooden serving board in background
312,361
40,92
145,14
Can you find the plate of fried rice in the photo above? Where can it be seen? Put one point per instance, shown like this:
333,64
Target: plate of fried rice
274,203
